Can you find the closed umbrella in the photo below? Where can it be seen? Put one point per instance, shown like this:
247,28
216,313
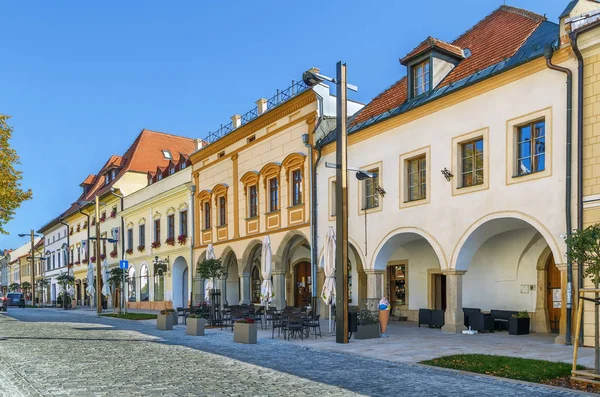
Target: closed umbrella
209,284
266,289
328,293
90,280
105,287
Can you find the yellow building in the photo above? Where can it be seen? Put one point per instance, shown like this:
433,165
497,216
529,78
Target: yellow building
157,223
252,180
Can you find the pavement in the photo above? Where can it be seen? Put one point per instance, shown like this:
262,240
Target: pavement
49,352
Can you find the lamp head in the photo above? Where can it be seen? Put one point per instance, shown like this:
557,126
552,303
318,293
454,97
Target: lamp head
22,235
362,175
310,77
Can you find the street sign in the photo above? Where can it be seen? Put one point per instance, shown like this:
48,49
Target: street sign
123,264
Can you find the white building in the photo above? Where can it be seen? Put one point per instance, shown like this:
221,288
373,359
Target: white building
56,252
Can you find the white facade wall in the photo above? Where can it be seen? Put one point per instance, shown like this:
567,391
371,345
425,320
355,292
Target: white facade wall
55,252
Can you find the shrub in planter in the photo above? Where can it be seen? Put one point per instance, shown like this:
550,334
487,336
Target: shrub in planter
102,257
368,325
141,248
113,254
195,325
518,324
156,244
129,251
170,241
164,320
173,314
244,331
182,239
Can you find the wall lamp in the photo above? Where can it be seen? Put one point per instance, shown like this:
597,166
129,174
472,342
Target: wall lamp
447,174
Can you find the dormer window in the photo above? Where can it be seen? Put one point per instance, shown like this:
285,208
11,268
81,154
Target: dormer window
167,154
421,80
183,165
159,177
171,170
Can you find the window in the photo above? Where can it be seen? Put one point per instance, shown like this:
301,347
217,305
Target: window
171,226
130,239
171,170
421,78
144,293
167,154
183,165
251,139
104,245
256,284
222,212
397,283
79,254
273,194
142,237
333,196
297,187
222,154
206,215
159,284
417,178
157,231
159,177
72,258
252,201
131,284
183,223
472,163
531,148
371,197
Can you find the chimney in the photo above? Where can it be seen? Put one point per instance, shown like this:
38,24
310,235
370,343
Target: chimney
236,120
262,105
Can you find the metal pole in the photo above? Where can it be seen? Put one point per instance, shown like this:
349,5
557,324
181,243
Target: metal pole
98,269
32,268
341,222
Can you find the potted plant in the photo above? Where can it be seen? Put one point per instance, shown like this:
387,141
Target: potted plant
182,239
156,244
113,214
94,222
102,257
244,331
518,324
103,217
113,254
65,281
84,224
78,227
129,251
164,320
368,325
141,248
170,241
93,259
195,325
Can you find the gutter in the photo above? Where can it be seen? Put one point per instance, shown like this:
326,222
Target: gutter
548,52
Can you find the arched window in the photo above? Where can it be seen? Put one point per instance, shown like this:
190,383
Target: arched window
256,282
144,295
131,284
159,285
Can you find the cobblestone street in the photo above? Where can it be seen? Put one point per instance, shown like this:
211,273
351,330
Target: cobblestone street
47,352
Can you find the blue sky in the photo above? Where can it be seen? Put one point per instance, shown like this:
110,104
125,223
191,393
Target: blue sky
81,79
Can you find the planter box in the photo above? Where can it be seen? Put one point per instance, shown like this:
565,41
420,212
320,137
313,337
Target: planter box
164,322
175,319
518,326
244,333
195,326
367,332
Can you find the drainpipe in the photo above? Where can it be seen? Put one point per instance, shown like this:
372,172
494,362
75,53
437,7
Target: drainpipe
548,51
192,268
68,255
313,216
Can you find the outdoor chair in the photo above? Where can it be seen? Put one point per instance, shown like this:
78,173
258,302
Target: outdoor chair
481,322
258,316
269,315
314,324
277,322
501,318
295,327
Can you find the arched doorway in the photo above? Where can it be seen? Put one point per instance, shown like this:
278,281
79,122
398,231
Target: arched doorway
302,277
180,282
231,280
255,285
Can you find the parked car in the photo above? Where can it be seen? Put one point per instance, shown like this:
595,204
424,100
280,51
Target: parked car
3,303
15,299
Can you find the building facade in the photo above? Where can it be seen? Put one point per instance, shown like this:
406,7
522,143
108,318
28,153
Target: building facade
56,254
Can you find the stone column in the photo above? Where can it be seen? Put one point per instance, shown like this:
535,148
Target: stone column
375,288
245,288
454,318
279,290
542,323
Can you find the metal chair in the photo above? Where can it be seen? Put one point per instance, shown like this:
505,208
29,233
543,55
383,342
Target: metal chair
278,322
295,326
314,324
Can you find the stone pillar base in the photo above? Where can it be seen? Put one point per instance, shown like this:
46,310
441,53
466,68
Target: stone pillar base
560,339
453,329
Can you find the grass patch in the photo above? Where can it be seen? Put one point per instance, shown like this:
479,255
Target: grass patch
131,316
505,367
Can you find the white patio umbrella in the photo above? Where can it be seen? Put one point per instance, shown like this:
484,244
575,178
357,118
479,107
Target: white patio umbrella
328,293
105,287
90,280
209,284
266,289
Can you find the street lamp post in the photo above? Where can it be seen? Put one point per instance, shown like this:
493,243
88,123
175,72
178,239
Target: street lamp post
98,247
33,236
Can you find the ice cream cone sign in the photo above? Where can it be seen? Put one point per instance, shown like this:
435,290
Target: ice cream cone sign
384,315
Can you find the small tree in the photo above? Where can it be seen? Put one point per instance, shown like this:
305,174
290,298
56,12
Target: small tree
42,283
115,277
25,287
13,287
65,280
210,269
583,247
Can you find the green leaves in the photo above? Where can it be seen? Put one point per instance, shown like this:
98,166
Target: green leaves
210,269
65,279
11,193
583,247
115,276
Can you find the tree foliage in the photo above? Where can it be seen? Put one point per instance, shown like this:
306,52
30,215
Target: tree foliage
65,280
584,248
25,285
12,287
210,269
42,282
115,277
11,193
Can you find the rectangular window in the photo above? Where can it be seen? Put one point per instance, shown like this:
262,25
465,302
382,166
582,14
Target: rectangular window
421,78
157,231
417,178
333,195
222,212
251,139
531,142
171,226
104,245
371,197
273,194
222,154
79,254
297,187
142,232
183,223
472,163
71,259
207,215
398,281
253,201
130,239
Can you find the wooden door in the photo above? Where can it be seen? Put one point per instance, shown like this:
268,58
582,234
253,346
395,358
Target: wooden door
554,299
439,294
301,290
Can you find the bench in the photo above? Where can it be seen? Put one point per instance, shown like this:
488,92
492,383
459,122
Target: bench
501,318
432,318
181,312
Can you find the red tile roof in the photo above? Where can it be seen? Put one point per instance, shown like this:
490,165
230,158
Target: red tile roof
144,155
493,39
89,180
432,42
